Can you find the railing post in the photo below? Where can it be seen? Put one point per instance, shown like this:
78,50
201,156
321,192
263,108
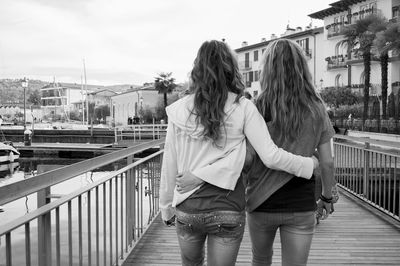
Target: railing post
130,188
366,170
44,221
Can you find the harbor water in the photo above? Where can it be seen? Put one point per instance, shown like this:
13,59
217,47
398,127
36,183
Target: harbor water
27,168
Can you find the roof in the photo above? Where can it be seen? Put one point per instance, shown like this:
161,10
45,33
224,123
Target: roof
73,86
346,3
290,36
336,7
104,92
326,12
143,88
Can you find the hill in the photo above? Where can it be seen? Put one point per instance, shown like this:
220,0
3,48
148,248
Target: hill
11,91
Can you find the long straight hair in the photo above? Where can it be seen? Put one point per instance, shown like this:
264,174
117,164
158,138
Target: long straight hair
288,94
214,74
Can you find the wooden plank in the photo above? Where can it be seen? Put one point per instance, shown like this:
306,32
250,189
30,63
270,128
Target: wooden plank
353,235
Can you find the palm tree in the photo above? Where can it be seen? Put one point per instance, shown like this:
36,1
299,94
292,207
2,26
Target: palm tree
360,37
164,83
385,41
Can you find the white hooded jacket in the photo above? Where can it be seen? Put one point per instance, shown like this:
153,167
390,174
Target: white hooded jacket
219,164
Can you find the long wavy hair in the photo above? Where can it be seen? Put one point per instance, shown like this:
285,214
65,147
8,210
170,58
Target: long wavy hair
288,95
214,74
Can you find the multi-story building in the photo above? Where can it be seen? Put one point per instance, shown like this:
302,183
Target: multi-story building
57,98
309,39
342,66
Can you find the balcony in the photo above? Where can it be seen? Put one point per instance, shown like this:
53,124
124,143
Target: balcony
336,61
336,29
364,13
359,58
245,65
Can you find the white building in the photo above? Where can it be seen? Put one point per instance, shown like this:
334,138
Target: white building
343,68
58,98
249,56
135,102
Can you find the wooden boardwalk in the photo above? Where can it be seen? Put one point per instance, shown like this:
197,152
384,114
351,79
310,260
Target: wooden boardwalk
354,235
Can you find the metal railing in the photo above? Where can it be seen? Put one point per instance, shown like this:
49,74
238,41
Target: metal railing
140,131
371,124
373,176
98,224
336,30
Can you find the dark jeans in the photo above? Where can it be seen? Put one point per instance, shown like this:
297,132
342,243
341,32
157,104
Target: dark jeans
223,231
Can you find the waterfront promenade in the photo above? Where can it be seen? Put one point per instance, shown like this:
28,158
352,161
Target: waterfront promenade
354,234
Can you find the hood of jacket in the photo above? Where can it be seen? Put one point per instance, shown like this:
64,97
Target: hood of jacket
180,113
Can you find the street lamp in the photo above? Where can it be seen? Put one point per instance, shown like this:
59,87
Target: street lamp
141,107
137,104
24,84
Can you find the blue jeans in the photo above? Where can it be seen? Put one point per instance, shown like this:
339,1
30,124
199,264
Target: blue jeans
296,232
223,231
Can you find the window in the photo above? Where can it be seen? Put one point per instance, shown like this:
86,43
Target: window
338,80
367,9
251,76
304,44
255,94
246,60
263,50
335,25
256,55
396,11
256,76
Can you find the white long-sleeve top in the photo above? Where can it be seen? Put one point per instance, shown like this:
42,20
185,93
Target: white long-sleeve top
219,164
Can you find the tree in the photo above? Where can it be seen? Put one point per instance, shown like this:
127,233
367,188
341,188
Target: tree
391,105
360,37
385,41
164,84
338,96
101,112
34,97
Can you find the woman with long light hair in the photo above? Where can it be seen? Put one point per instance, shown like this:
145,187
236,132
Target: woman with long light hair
206,141
298,122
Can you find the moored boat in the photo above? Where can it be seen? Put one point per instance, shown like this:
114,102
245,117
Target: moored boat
8,168
8,153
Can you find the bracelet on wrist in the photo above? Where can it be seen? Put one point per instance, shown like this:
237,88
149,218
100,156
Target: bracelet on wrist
325,199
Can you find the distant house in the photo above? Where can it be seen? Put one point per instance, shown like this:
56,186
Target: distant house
101,97
135,101
57,98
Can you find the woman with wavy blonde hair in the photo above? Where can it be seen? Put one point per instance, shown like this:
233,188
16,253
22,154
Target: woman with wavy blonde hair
204,154
298,122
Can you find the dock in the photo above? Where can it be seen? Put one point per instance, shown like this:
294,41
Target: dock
355,234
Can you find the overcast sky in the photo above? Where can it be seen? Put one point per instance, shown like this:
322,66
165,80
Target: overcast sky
129,41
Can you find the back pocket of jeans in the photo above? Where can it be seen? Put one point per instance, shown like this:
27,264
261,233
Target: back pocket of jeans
233,230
